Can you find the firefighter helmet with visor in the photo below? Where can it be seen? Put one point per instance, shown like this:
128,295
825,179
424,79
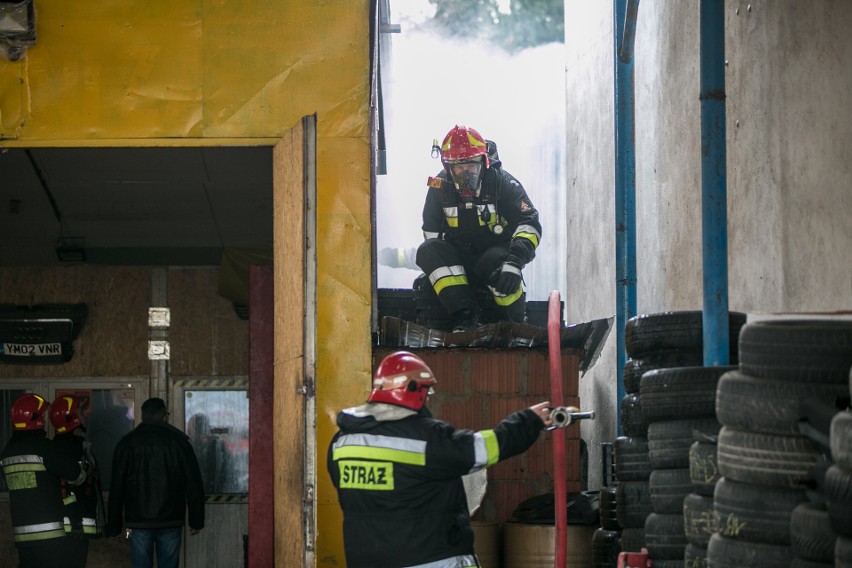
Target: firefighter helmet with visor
464,154
28,412
402,379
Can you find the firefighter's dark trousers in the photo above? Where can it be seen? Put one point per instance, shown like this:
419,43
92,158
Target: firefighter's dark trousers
455,272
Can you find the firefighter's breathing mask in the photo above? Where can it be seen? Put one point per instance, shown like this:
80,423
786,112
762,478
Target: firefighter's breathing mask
466,176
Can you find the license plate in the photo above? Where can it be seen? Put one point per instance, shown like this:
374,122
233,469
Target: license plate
31,349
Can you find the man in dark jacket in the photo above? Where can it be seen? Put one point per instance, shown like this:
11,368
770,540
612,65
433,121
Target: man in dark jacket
480,229
398,471
155,479
34,467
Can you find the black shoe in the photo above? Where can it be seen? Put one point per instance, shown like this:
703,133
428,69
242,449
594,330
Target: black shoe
466,321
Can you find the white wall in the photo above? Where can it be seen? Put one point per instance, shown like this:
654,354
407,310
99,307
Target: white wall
789,160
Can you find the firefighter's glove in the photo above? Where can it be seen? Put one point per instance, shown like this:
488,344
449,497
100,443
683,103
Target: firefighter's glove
507,278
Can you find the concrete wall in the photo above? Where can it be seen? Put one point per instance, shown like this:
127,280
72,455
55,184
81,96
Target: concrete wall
789,161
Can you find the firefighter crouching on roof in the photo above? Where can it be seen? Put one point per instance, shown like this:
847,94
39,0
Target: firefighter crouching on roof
85,516
480,227
398,471
33,467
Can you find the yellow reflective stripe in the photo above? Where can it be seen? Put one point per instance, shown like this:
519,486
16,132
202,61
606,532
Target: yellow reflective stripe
453,221
449,281
533,238
17,468
70,499
59,533
492,448
384,454
510,299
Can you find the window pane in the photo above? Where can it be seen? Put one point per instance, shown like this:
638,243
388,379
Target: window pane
7,397
217,426
110,418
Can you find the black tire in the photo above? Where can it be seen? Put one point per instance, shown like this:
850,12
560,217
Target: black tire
770,459
811,535
801,563
609,520
755,513
685,392
665,537
699,519
669,487
843,552
669,441
633,539
703,470
694,556
633,422
631,458
729,553
838,496
841,439
797,350
768,405
635,368
673,331
605,548
632,504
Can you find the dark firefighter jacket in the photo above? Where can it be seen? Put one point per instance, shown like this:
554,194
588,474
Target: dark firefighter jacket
84,506
155,479
501,213
33,466
398,477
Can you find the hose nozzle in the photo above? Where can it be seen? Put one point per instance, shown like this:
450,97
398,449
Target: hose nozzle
564,416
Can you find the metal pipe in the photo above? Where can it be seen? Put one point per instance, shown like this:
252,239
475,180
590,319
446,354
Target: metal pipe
625,183
560,468
713,183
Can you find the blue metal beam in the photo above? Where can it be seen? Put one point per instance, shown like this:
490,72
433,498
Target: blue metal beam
624,32
714,183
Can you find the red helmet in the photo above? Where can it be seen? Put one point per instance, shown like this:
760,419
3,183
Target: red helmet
28,412
464,152
65,413
402,379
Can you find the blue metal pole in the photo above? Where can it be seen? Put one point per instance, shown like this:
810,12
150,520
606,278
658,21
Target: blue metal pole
714,184
624,31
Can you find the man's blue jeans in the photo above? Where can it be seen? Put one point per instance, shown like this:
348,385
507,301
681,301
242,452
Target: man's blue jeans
166,541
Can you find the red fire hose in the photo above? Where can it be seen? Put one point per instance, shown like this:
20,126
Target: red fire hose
554,323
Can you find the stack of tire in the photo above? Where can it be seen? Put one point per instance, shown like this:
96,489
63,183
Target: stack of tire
606,540
699,521
667,348
764,460
838,485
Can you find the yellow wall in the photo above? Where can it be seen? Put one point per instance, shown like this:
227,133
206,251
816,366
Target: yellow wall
225,72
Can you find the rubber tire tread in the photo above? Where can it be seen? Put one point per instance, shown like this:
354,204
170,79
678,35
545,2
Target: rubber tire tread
694,556
631,458
699,519
755,513
843,552
770,459
838,496
664,536
669,441
811,535
606,509
606,544
729,553
840,439
633,422
669,487
633,539
797,350
685,392
632,504
767,405
674,331
635,368
703,470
